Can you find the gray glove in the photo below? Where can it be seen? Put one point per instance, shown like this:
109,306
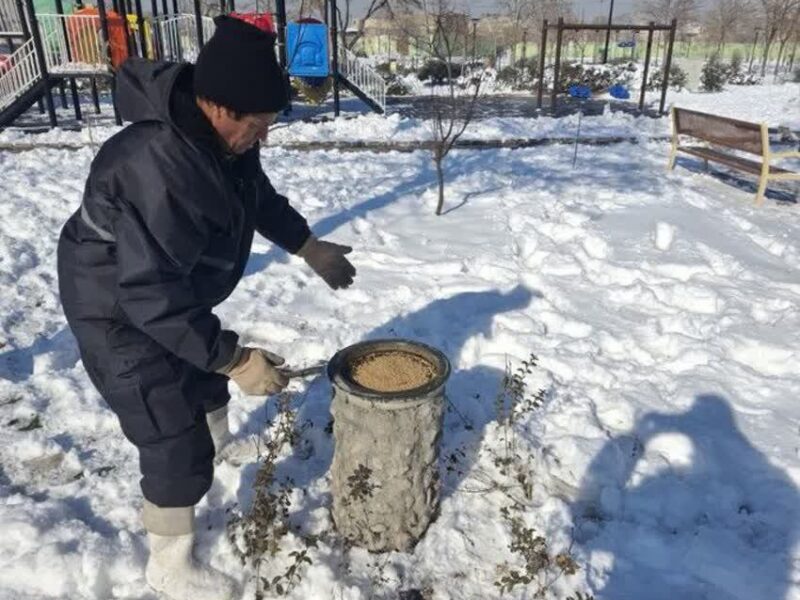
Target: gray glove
255,372
328,261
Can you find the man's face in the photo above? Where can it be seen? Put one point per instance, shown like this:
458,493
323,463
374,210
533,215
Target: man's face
246,130
239,132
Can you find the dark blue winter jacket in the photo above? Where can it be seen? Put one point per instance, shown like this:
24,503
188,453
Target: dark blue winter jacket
165,228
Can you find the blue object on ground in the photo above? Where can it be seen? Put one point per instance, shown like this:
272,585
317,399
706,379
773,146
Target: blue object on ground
579,91
619,91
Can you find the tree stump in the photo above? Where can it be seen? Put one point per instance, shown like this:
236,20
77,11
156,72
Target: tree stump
388,401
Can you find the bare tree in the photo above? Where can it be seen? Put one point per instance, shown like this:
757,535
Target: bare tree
776,16
443,37
788,31
663,11
724,19
346,16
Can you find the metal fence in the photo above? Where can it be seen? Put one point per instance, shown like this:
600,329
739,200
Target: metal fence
10,23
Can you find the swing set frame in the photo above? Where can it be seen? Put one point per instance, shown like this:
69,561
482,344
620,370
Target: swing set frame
560,27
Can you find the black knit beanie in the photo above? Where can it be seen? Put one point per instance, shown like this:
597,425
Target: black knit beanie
237,68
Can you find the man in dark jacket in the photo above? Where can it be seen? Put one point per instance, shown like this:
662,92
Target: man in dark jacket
162,236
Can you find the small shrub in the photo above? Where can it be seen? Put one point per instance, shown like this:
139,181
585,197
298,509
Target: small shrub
436,71
508,75
520,75
257,536
714,75
540,567
384,69
735,66
596,77
396,86
677,78
528,66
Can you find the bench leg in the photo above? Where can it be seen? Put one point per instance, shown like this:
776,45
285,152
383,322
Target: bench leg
673,155
762,188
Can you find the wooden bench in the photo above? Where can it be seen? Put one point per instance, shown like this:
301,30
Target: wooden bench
721,134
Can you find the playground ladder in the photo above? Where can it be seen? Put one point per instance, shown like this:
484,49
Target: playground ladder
362,80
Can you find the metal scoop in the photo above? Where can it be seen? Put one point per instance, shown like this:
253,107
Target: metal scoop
294,373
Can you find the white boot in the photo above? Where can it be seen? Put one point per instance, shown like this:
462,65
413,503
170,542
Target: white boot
233,451
171,568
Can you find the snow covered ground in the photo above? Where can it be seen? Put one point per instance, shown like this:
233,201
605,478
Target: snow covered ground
664,309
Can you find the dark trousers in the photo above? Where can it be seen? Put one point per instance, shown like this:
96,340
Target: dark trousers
161,402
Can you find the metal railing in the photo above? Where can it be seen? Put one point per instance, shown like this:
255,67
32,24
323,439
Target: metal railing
362,76
18,74
178,37
72,43
10,22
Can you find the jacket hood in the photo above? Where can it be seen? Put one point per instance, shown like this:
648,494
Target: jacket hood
144,88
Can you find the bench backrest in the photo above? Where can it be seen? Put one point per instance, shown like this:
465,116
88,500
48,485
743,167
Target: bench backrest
731,133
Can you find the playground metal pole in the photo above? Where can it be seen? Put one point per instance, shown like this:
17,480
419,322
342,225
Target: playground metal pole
101,11
62,92
335,52
198,22
542,53
557,66
608,31
164,8
123,6
95,96
667,66
140,27
646,63
158,51
73,86
280,17
39,49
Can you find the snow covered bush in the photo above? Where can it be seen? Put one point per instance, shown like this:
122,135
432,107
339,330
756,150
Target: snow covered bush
735,75
397,86
437,71
597,77
677,78
713,75
519,76
509,76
